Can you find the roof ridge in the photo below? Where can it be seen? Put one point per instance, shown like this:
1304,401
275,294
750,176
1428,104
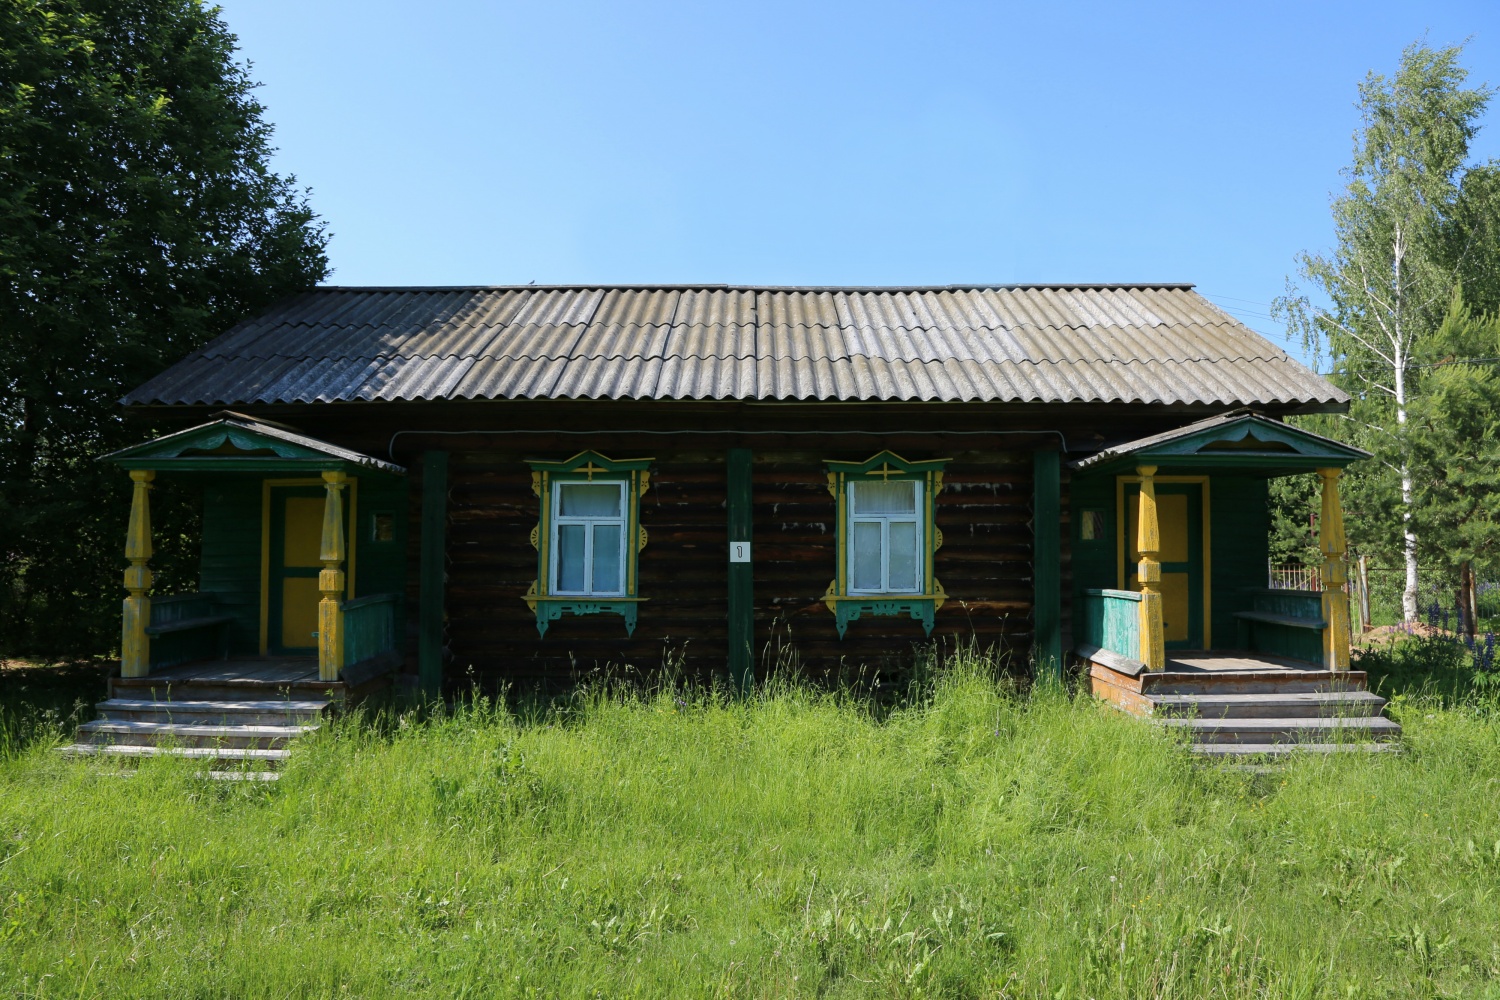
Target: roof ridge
981,286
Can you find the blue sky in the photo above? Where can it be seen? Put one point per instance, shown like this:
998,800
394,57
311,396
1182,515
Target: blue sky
835,143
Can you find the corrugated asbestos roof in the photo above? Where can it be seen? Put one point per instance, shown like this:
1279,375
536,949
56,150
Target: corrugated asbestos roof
1035,343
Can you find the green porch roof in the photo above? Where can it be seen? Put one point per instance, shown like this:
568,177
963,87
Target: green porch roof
235,443
1242,440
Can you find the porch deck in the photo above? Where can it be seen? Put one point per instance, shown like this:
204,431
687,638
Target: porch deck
254,677
1200,660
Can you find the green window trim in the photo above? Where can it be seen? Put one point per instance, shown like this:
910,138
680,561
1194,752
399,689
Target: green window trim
848,604
586,467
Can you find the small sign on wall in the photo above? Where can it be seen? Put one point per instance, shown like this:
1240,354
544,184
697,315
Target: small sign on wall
739,552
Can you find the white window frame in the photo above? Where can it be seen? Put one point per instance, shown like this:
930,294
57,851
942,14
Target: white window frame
885,520
555,538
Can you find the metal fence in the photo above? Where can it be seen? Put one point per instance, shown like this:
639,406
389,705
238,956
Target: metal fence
1375,600
1293,576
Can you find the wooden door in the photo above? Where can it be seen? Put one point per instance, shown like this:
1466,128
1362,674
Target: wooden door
1179,515
295,543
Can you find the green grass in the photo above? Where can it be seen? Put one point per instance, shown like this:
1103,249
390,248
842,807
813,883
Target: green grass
975,843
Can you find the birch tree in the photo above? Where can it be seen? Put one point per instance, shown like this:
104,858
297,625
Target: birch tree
1377,299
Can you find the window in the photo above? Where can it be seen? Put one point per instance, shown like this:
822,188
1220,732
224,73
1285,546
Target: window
588,537
1091,526
885,538
383,526
588,550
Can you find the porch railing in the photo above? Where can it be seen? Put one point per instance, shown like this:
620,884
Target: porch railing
369,627
1112,621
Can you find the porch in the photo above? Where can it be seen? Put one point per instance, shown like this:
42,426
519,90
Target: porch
1172,620
281,531
277,633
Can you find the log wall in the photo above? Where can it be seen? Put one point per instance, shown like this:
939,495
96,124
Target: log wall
984,564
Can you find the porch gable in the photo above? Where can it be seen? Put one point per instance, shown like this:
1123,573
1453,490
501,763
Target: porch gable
242,444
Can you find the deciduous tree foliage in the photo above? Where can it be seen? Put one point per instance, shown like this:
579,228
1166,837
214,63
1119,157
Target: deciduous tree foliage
1413,221
139,217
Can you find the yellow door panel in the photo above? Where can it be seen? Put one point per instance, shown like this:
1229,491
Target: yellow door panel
299,611
1172,517
1174,604
304,532
1171,523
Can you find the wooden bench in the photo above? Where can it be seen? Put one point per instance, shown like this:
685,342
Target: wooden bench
1290,621
1283,623
186,615
188,624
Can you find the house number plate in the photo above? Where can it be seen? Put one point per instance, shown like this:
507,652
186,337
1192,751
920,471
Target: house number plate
739,552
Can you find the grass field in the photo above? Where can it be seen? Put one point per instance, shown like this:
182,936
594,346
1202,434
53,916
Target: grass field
975,843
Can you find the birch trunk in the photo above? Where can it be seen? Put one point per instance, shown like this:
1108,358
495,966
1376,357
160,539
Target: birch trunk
1408,528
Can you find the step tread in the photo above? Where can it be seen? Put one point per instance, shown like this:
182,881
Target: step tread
214,753
1304,722
190,728
1352,676
142,704
1282,749
1267,698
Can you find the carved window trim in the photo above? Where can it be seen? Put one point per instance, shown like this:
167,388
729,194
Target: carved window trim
586,466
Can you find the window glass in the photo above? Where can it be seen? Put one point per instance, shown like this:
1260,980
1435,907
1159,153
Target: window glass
885,537
867,555
884,498
606,562
589,500
571,539
902,574
590,528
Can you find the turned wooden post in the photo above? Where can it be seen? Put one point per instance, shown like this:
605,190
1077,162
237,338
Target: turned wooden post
331,579
135,644
1335,574
1148,573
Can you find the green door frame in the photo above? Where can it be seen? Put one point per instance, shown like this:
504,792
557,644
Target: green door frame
278,572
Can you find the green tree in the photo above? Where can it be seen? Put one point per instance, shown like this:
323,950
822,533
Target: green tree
138,218
1385,289
1454,435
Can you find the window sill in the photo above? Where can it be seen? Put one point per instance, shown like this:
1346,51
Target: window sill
852,607
550,609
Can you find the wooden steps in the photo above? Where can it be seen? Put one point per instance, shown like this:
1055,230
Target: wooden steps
144,733
306,711
1254,712
223,717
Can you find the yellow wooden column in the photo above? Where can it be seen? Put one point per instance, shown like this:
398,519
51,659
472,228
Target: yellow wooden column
135,644
331,579
1335,573
1148,572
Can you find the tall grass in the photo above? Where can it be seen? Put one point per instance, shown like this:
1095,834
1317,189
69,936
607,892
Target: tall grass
974,842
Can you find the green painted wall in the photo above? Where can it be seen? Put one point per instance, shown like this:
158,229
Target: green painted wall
1094,561
230,559
380,567
1239,523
